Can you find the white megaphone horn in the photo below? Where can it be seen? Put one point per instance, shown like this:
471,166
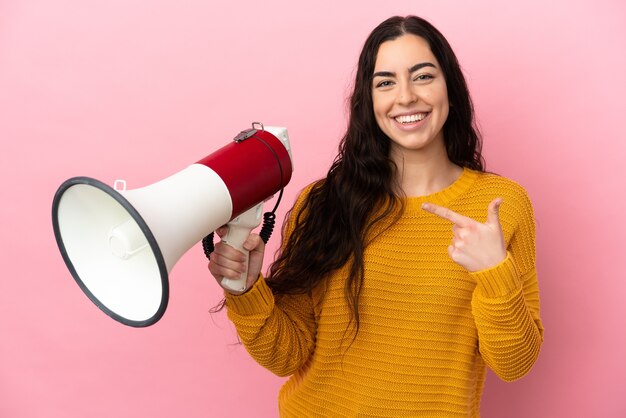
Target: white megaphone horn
120,245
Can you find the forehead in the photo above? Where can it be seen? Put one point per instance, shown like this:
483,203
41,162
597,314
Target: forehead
403,53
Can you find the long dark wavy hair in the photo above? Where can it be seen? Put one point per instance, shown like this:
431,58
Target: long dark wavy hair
333,225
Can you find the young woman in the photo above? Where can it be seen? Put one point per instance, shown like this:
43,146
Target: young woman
408,269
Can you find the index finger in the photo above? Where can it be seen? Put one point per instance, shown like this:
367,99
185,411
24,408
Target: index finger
221,231
447,214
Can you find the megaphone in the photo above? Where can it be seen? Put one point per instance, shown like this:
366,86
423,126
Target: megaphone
120,245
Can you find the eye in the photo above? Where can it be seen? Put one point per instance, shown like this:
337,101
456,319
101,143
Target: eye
423,77
384,83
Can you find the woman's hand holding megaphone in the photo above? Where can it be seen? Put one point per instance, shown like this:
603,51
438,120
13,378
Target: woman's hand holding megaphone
228,262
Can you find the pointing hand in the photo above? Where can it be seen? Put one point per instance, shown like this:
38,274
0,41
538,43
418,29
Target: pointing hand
475,246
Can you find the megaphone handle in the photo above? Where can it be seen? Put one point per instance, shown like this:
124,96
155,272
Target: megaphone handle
238,231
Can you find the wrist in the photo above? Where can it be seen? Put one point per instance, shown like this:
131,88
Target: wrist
233,287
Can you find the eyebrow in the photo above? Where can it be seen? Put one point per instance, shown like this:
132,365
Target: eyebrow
411,70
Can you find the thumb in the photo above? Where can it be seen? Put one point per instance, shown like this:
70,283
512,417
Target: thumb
493,212
253,242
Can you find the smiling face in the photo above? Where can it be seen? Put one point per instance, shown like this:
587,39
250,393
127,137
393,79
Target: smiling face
409,95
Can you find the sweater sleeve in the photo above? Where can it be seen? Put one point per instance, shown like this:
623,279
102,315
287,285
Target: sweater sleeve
505,303
277,330
279,333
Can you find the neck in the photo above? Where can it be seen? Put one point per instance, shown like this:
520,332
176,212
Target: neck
423,173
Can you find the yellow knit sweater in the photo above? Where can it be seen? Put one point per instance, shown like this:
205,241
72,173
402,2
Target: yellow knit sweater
428,327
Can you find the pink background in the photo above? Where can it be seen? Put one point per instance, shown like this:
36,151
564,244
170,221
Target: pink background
140,89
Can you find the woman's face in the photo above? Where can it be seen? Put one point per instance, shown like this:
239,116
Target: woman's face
409,95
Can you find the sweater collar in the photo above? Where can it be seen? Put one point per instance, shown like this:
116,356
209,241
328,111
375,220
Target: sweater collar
450,193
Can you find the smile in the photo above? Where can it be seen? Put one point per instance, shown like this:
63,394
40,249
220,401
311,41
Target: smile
417,117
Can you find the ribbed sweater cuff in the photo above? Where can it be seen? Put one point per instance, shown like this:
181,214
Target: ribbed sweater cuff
256,300
500,280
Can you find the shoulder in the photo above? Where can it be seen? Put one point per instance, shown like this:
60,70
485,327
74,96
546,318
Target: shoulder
493,185
516,204
304,194
299,209
499,182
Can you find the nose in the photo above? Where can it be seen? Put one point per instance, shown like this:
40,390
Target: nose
406,93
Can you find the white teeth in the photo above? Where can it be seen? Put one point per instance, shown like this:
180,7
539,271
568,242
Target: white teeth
411,118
